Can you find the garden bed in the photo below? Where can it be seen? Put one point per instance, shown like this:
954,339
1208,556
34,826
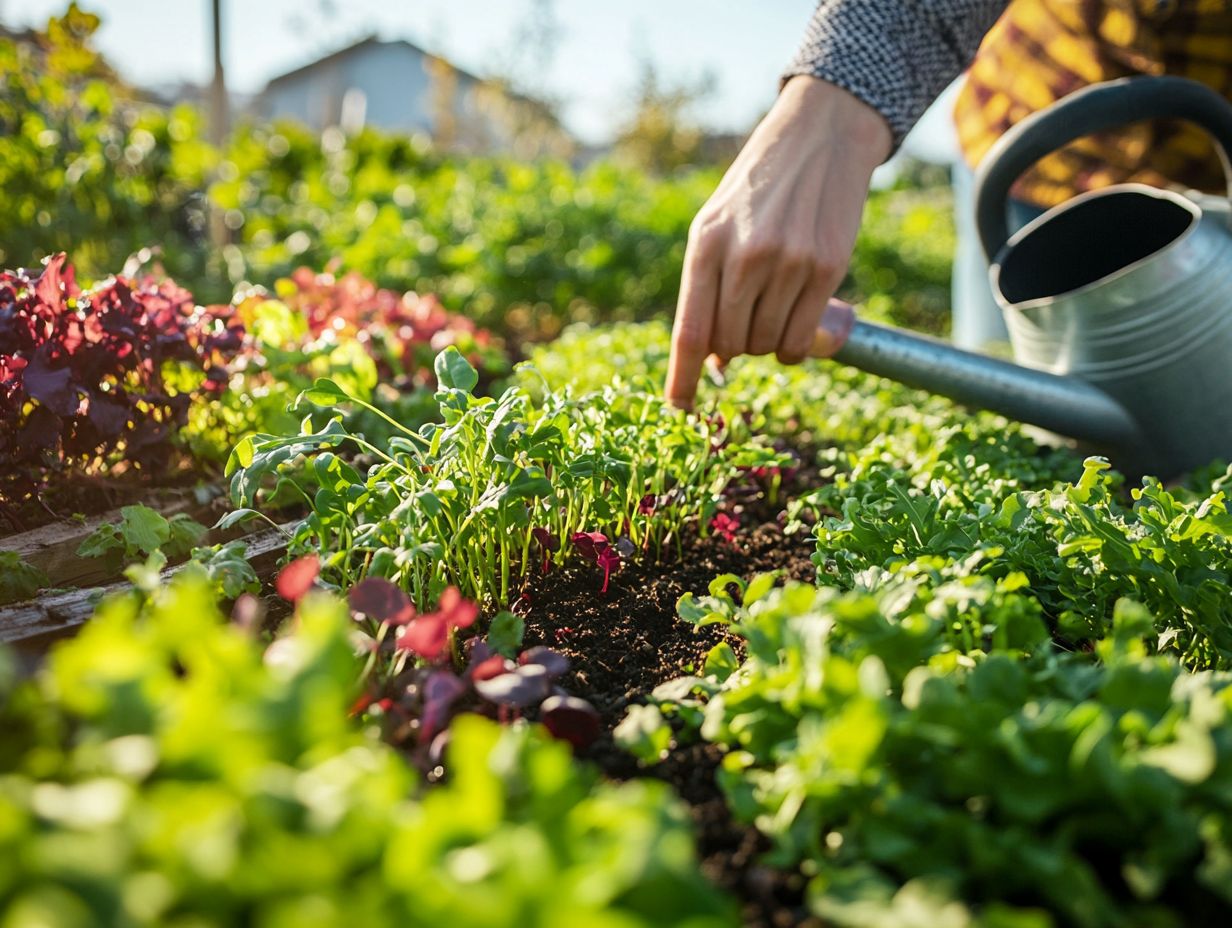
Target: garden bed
568,554
625,643
52,547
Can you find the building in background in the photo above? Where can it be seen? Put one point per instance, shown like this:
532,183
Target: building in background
398,87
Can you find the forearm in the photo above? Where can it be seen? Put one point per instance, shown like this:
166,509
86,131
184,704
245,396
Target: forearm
895,55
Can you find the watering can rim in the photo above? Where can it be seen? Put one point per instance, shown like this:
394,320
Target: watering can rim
1077,201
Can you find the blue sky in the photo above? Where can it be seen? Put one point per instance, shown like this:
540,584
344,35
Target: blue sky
743,44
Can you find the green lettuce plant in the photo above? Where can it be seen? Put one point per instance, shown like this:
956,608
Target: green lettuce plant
908,779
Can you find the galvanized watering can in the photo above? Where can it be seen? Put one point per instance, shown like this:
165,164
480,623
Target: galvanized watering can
1118,302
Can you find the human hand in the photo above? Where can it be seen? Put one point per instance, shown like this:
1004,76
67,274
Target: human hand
768,249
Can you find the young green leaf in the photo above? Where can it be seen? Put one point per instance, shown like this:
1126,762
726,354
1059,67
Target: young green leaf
324,392
759,586
644,733
454,371
19,580
720,662
143,529
505,634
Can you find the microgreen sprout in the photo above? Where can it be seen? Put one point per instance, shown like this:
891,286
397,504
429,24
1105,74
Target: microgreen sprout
725,526
548,544
489,494
594,547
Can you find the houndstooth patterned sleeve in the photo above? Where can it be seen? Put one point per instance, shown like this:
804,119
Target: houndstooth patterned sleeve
895,55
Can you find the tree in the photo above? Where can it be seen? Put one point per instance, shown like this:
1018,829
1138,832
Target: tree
662,133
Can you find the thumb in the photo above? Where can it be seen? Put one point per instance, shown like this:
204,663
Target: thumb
836,322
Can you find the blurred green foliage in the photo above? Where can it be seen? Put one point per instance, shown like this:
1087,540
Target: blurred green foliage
159,771
88,168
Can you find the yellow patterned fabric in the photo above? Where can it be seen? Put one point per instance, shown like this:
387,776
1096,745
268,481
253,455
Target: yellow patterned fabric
1042,50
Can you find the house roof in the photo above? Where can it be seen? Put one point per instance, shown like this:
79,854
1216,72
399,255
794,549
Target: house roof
370,41
18,35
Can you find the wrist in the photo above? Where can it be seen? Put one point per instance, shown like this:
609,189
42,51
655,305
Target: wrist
828,112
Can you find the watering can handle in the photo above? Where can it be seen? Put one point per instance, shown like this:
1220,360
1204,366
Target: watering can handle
1103,106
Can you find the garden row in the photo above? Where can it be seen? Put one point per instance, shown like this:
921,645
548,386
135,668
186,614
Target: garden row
410,636
999,698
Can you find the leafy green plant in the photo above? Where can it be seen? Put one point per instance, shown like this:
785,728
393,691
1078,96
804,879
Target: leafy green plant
18,579
140,532
816,405
159,770
1018,786
460,502
1076,549
227,569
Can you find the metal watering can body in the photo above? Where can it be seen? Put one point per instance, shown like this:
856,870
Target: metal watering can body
1118,302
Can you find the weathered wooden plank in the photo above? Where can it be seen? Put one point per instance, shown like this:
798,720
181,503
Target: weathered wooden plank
58,613
53,548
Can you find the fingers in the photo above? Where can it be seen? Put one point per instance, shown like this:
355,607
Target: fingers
797,337
691,331
774,306
738,291
781,306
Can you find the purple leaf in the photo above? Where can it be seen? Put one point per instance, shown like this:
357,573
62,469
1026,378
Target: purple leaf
609,560
526,686
725,527
382,601
570,719
625,546
40,433
545,539
47,289
108,415
440,691
490,667
50,386
547,542
477,650
555,662
589,544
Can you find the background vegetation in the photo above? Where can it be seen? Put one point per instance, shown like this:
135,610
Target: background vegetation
89,168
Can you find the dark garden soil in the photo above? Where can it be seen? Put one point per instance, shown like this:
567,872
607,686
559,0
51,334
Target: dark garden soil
623,644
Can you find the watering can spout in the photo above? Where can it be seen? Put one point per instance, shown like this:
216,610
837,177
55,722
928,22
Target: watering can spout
1061,404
